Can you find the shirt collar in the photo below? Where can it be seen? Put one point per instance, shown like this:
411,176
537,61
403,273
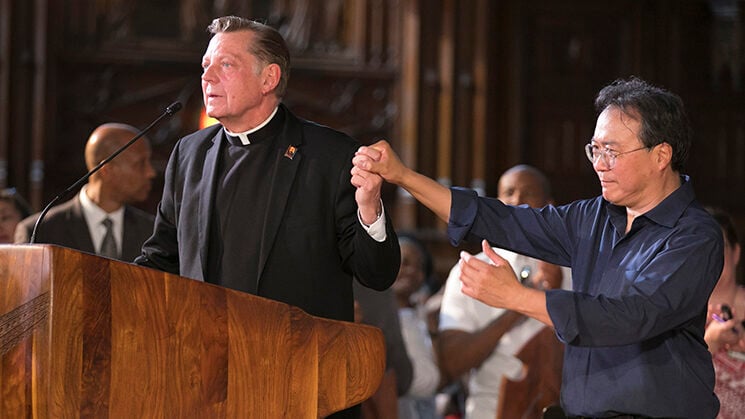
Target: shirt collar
671,208
95,214
667,212
243,136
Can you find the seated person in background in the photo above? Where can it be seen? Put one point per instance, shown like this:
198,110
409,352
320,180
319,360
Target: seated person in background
482,339
726,338
81,223
13,209
419,401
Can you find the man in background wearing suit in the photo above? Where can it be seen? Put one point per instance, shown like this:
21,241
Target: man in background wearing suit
100,219
265,202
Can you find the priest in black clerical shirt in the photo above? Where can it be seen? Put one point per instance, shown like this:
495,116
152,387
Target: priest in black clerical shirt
265,202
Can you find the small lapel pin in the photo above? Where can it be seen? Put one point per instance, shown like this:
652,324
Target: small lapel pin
290,152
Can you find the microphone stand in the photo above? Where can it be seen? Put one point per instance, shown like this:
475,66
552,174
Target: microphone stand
170,110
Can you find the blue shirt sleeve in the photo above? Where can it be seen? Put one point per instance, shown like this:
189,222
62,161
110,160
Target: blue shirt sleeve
538,233
626,287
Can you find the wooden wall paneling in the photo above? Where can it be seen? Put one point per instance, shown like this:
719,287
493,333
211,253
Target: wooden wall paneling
331,35
376,33
559,153
407,134
121,93
490,127
457,152
572,51
726,41
18,107
717,158
431,15
660,47
354,104
479,154
113,61
683,35
39,103
712,84
507,99
463,128
119,61
393,29
462,62
346,75
350,61
6,9
445,100
352,91
112,83
136,30
358,28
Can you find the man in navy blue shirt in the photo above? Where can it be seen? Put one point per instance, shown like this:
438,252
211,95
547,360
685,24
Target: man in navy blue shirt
644,256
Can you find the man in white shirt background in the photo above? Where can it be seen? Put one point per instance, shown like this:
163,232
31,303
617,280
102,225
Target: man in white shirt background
482,340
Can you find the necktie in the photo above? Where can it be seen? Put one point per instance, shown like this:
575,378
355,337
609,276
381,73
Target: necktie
108,246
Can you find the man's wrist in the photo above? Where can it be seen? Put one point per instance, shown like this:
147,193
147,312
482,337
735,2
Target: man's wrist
378,214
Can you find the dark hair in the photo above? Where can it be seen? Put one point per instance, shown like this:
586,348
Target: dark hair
12,196
268,46
725,221
661,114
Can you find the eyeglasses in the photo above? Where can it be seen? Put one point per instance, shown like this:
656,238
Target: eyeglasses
609,156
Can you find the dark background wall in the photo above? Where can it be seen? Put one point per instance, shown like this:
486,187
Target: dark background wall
463,89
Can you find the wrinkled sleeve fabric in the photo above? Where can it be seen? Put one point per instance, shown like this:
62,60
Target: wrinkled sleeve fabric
664,294
538,233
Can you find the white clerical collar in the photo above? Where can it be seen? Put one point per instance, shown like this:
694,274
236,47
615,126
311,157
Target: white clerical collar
244,135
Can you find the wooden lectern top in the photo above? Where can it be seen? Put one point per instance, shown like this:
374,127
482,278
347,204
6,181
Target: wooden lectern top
86,336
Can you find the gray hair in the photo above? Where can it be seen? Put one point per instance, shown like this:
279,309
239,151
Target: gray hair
268,45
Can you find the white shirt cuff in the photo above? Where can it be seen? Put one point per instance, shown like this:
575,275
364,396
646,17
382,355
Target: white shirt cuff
376,230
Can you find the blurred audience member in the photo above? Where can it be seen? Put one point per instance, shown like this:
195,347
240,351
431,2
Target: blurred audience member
13,209
725,333
419,401
100,219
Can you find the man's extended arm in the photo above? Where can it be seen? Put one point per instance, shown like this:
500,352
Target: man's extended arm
381,159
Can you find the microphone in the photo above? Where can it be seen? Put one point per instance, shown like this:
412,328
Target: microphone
170,110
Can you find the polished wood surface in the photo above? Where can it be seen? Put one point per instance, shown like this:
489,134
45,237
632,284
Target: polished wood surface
542,357
85,336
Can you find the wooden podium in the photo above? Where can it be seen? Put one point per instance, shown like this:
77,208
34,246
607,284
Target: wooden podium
90,337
